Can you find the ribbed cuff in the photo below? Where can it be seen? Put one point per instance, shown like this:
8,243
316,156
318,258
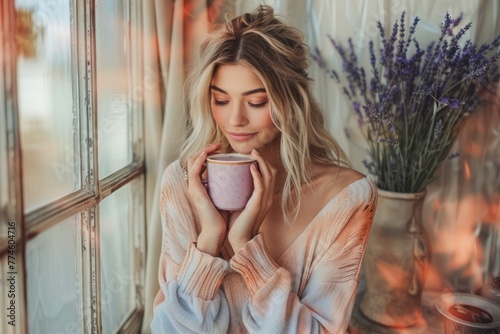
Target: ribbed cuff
201,274
254,264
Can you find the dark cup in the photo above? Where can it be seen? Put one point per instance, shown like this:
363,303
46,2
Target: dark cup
468,314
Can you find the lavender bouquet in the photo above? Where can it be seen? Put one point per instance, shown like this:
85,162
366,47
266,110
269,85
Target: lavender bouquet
412,107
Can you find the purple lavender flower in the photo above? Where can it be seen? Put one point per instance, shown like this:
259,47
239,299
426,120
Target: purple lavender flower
454,154
438,130
452,103
454,23
413,100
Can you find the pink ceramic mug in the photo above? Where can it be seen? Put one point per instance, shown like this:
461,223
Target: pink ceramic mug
230,182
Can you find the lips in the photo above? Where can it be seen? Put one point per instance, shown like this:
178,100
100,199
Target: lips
241,136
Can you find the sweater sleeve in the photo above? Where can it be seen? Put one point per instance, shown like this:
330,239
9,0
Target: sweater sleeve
326,301
190,299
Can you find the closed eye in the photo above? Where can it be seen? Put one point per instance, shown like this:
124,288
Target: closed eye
257,105
220,103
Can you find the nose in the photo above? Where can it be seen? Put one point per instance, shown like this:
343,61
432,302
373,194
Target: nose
238,116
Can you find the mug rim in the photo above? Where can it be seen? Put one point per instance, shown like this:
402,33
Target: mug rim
248,157
447,299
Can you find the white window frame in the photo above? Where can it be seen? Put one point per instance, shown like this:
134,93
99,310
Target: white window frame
84,201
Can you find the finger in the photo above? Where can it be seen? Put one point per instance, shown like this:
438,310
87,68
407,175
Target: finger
258,181
197,166
208,149
211,148
268,175
261,161
196,188
256,202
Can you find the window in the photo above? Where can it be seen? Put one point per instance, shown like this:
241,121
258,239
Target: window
72,232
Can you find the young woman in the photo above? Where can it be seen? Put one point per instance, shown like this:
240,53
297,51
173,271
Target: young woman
289,262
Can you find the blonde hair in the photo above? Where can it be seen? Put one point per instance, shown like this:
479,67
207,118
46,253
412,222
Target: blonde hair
277,54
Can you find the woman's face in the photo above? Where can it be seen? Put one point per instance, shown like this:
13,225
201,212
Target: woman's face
240,107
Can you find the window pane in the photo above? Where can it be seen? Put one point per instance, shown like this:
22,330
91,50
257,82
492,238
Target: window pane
53,287
117,258
113,86
46,101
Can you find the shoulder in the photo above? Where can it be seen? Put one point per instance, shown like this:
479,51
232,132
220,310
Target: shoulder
353,198
344,177
345,186
359,184
332,180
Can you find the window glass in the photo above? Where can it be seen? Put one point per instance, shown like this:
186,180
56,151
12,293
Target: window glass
60,262
113,86
117,260
46,100
54,298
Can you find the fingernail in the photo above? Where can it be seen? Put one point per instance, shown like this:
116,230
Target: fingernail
254,151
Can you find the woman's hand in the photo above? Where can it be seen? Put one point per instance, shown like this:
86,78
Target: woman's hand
213,225
245,224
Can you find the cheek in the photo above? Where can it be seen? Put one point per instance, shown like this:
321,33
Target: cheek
217,116
266,123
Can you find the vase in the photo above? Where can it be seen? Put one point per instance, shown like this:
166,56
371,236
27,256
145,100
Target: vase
396,261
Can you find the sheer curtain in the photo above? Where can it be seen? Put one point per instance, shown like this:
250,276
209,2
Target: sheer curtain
172,29
464,202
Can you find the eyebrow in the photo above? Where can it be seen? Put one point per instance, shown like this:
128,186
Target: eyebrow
250,92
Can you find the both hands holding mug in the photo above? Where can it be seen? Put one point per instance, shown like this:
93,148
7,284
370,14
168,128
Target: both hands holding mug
237,226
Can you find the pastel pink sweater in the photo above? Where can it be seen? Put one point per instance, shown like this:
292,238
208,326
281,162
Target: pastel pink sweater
310,289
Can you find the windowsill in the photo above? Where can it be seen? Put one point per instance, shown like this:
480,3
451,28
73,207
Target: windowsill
433,323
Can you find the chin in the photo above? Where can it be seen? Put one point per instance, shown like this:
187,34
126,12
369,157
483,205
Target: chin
242,148
242,151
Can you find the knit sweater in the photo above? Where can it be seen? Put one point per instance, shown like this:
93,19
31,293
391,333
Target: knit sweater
311,288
